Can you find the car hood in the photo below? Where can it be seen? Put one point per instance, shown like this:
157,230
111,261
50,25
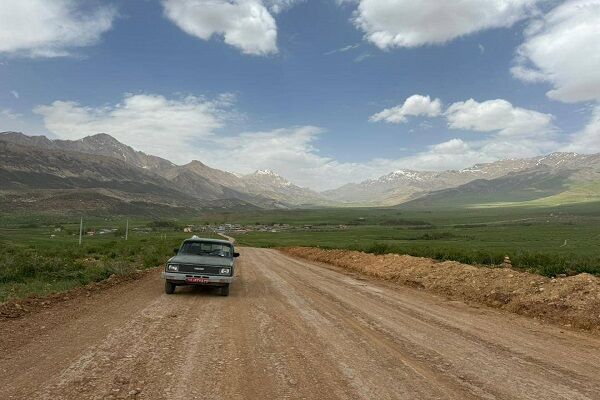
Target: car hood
202,260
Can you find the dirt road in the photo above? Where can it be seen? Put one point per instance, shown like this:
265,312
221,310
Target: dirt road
290,329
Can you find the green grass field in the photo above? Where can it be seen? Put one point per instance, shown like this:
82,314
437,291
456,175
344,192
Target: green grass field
36,259
549,241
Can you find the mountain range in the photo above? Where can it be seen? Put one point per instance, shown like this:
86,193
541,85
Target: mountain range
514,175
99,172
35,167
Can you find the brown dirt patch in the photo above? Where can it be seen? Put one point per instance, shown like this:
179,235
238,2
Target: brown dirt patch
19,307
571,301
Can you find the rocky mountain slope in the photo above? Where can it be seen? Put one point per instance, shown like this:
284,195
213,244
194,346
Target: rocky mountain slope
42,178
66,164
406,185
195,178
560,178
100,144
268,183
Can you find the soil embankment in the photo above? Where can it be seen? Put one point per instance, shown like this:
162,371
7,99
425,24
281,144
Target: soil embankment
569,301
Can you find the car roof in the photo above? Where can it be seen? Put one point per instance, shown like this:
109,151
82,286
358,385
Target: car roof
198,239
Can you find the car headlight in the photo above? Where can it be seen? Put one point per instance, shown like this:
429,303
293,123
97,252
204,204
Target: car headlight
173,267
225,271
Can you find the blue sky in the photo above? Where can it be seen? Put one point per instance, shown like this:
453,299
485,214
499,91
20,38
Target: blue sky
314,90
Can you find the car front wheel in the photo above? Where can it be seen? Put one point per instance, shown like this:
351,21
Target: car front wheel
169,287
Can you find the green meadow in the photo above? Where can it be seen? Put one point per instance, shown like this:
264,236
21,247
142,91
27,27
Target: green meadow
40,254
549,240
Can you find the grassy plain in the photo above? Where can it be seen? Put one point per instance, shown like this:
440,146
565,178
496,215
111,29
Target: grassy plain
41,255
549,240
545,240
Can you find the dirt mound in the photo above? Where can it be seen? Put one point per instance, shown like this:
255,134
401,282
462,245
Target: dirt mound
19,307
571,301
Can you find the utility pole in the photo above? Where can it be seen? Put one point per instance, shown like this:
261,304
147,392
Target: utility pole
80,230
126,229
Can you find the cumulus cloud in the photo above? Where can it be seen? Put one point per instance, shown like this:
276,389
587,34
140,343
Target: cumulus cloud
277,6
512,132
41,28
563,48
588,139
186,128
409,23
245,24
293,153
289,151
458,153
415,105
148,122
498,116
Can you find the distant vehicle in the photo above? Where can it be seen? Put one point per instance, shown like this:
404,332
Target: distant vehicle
207,262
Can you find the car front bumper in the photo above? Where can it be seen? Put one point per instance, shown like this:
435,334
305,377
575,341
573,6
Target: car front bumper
180,278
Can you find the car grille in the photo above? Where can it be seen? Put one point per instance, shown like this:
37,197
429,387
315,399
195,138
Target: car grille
200,269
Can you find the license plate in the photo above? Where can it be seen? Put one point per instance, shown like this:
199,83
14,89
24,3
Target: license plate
196,280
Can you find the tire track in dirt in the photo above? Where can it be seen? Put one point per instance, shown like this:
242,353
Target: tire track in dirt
460,351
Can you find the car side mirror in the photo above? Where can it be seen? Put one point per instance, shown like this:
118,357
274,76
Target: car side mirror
236,254
175,251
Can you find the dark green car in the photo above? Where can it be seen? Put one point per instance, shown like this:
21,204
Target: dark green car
205,262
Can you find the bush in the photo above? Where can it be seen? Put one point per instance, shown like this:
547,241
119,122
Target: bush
55,267
378,248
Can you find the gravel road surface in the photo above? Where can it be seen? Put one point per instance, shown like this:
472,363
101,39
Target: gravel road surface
290,329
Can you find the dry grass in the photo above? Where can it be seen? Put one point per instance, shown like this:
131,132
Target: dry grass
570,301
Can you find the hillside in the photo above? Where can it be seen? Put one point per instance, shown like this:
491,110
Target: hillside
195,178
100,144
34,178
102,162
268,183
552,181
409,185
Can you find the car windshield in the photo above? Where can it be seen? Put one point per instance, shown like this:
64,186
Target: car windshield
206,249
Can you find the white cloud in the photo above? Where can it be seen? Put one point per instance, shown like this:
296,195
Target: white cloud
277,6
343,49
415,105
459,153
409,23
183,129
245,24
498,116
15,94
10,114
151,123
293,153
42,28
11,120
288,151
563,48
588,140
362,57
